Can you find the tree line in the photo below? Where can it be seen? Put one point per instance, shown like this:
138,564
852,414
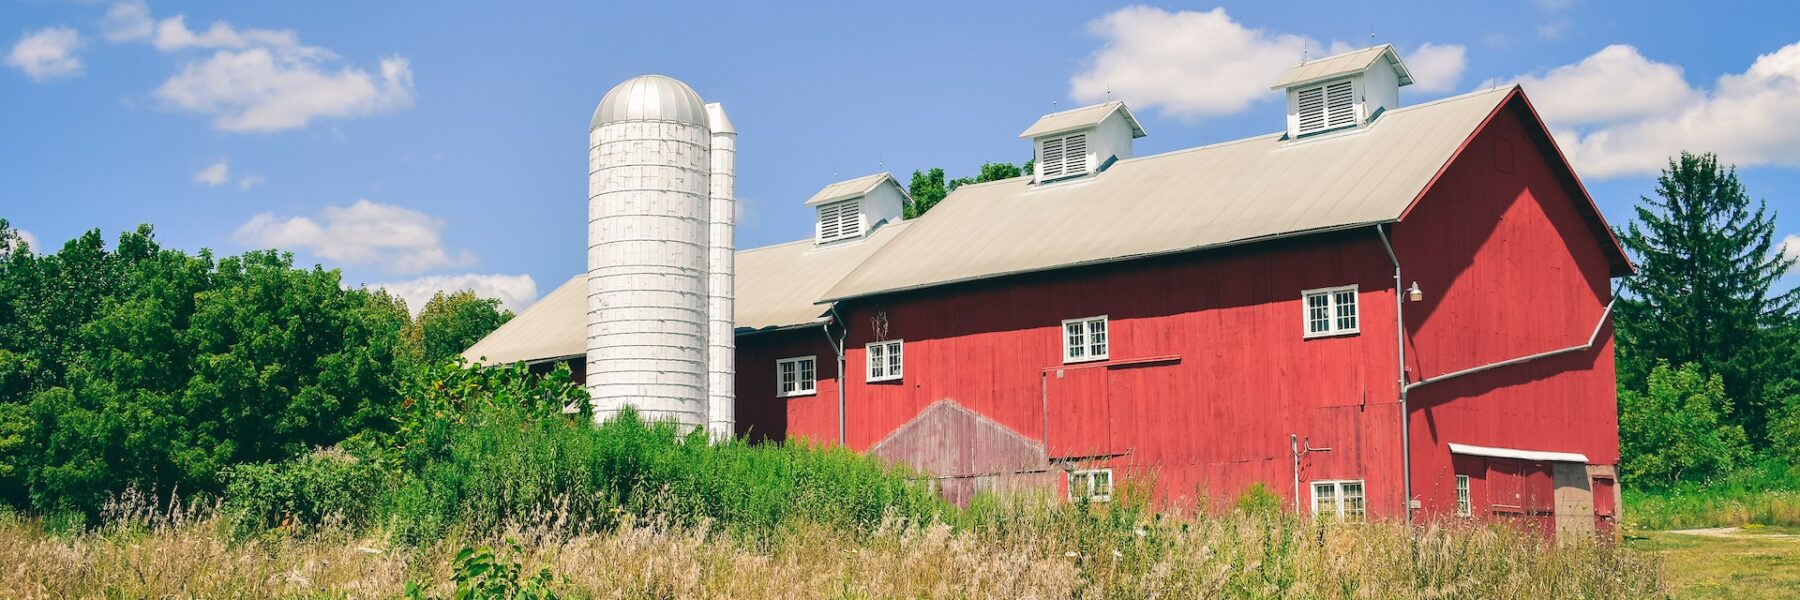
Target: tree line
139,366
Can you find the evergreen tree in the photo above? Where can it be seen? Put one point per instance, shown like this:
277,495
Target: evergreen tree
1706,265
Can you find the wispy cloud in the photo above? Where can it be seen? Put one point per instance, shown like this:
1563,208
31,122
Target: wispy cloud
249,181
395,239
1790,246
49,53
1618,113
515,292
1197,64
260,80
30,241
214,175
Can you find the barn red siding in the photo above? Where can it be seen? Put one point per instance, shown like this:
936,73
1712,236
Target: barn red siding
761,414
1510,266
1208,372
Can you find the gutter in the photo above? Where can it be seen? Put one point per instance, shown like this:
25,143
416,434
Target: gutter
1400,354
837,344
1592,339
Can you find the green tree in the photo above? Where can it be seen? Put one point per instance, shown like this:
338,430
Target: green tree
1703,293
452,322
148,367
928,188
1678,429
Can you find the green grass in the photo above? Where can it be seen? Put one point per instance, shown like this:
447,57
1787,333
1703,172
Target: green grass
1767,493
1760,562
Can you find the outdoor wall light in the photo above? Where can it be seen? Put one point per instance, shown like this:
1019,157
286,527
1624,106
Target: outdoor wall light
1415,294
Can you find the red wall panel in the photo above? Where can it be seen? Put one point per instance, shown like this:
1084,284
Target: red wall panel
1511,265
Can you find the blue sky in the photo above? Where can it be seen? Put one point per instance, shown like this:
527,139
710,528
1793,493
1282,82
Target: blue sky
425,145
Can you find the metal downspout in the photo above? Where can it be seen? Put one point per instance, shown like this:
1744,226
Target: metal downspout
1400,353
838,346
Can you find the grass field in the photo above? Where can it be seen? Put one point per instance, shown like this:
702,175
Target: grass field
1752,562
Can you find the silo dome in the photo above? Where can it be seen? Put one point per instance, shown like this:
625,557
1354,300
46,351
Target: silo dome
650,98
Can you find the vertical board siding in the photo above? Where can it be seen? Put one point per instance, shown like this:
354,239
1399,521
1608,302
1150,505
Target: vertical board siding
1510,266
1209,373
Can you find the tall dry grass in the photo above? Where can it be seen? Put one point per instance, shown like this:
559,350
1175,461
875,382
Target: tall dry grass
1025,549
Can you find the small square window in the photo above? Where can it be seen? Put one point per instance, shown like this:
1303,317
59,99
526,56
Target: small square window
885,360
1330,311
1085,339
1463,506
795,376
1340,499
1093,485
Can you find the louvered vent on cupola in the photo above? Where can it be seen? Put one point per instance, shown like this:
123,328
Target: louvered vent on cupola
1083,141
850,210
1344,91
840,220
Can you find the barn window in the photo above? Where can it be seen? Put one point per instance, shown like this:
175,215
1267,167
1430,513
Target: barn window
1330,311
795,376
1463,509
885,360
1341,499
1064,156
1084,339
1093,485
840,221
1323,107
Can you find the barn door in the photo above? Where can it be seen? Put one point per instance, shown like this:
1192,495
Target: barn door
1606,511
1078,413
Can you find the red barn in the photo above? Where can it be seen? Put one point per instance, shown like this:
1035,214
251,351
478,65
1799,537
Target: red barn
1379,303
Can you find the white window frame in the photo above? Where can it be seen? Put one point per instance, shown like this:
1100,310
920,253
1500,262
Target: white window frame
1084,480
1085,343
892,356
1339,508
836,210
803,386
1332,308
1464,507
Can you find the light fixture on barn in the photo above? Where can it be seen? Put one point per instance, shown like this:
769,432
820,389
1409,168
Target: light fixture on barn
1414,293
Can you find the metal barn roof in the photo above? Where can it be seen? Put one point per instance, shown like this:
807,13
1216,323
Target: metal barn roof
777,287
554,327
1077,118
851,188
1343,64
1257,188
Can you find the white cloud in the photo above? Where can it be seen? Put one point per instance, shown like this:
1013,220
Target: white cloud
1192,64
1790,246
1616,83
1189,64
399,240
48,54
1436,67
254,91
1617,113
515,292
126,21
214,175
249,181
260,80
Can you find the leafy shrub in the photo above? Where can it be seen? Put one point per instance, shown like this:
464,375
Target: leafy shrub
1259,500
304,491
480,575
1677,429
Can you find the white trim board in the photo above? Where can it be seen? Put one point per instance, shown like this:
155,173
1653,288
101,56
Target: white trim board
1468,450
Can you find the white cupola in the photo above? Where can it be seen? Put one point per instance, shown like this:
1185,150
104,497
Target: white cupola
1082,141
1342,92
849,210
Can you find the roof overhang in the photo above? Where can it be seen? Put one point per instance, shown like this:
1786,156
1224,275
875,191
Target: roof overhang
1056,123
1517,454
828,195
1351,65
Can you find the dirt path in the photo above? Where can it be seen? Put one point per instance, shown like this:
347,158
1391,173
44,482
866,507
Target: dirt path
1735,532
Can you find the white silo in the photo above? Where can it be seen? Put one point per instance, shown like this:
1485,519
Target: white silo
649,213
721,357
